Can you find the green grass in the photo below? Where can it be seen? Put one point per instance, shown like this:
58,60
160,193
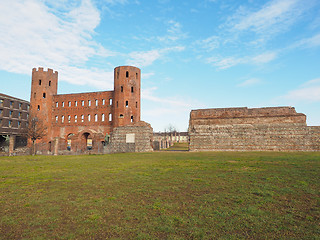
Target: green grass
161,195
178,147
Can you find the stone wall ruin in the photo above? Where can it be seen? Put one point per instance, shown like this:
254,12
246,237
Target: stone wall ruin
255,129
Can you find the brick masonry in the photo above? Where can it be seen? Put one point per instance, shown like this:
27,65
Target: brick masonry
80,122
256,129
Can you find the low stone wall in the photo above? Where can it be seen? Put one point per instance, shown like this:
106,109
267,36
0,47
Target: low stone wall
131,138
249,137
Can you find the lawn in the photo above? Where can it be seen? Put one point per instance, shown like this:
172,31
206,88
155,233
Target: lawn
161,195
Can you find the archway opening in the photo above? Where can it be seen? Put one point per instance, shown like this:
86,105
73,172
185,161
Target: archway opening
87,140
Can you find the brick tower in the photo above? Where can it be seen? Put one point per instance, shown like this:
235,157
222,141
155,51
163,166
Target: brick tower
126,95
43,86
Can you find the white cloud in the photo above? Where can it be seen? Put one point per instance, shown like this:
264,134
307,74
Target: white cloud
309,91
264,57
273,17
143,59
250,82
174,32
313,41
34,34
227,62
210,43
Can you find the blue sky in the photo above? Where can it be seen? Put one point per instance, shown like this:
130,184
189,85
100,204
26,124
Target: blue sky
193,54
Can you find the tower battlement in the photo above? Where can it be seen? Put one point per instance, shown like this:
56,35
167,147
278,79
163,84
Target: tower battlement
40,70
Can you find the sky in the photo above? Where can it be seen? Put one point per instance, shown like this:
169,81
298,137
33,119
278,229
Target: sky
192,54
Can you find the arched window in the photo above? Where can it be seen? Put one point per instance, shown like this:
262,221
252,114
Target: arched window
96,102
96,117
38,107
131,89
110,117
82,118
127,103
121,88
89,103
127,74
102,117
110,101
75,118
121,115
131,118
49,83
44,95
62,119
69,104
69,118
57,118
89,117
39,81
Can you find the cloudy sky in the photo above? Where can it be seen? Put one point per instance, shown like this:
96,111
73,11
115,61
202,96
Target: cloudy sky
193,54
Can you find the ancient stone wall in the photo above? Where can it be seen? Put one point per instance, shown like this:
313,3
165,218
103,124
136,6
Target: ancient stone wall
131,138
276,130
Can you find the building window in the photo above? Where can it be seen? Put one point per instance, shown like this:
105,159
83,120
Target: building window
10,113
69,104
136,104
127,103
49,83
57,104
89,103
62,119
69,118
20,105
44,95
102,117
10,123
131,118
121,115
131,89
96,117
82,118
0,112
1,102
62,104
57,118
110,101
110,117
27,115
121,88
38,107
11,104
19,114
19,124
75,103
0,122
39,81
82,103
89,117
136,75
96,102
127,74
103,101
75,118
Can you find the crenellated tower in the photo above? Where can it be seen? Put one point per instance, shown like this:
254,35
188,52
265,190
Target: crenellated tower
126,106
43,86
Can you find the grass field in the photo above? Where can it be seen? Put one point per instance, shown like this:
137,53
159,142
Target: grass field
161,195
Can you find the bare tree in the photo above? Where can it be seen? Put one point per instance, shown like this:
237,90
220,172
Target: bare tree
34,131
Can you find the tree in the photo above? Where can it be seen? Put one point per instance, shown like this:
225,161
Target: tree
35,130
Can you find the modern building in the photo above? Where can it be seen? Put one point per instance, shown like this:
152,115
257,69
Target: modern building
14,113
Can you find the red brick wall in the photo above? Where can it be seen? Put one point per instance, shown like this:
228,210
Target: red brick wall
62,114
